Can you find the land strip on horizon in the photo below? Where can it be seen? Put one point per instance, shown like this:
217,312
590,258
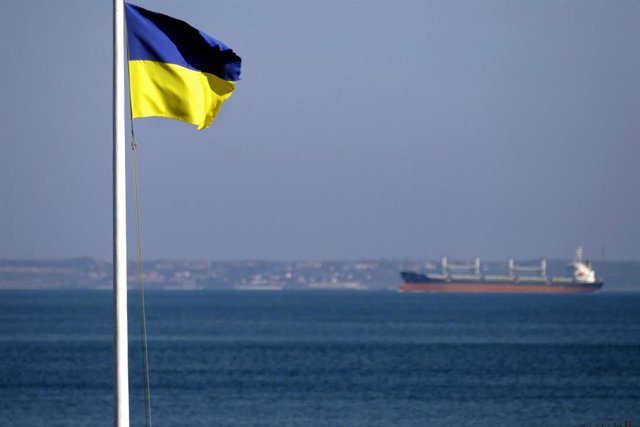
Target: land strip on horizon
90,273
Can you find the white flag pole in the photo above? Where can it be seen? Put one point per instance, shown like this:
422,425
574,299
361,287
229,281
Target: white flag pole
120,333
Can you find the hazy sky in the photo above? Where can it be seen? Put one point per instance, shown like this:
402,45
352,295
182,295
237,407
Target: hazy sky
359,129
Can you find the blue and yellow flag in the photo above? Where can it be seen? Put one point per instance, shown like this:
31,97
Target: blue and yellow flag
176,71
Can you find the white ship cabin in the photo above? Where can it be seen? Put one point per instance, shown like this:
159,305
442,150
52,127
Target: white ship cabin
583,270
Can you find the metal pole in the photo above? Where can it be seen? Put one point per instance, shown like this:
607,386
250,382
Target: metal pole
120,334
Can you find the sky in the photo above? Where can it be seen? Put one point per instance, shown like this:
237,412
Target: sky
360,129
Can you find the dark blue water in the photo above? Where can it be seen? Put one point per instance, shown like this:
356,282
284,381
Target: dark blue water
326,359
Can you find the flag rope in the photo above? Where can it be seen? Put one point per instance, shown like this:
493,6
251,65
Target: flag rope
143,317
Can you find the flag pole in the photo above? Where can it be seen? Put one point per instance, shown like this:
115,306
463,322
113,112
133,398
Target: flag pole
120,333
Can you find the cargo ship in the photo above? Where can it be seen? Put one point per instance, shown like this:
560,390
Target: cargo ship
467,278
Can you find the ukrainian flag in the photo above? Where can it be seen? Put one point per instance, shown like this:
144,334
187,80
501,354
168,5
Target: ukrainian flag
176,71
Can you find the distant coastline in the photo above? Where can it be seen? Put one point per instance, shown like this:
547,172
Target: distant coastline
91,273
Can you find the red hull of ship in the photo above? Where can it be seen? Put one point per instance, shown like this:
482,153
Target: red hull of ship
453,287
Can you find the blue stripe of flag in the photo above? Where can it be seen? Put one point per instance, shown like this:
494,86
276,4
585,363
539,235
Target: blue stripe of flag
156,37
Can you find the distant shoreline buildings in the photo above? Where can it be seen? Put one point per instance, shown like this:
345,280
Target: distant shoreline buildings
376,275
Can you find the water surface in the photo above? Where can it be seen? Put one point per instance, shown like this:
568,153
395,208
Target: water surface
326,359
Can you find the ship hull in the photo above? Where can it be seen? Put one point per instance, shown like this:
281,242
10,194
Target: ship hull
421,283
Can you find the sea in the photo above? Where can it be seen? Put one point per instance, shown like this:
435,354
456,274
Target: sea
333,358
